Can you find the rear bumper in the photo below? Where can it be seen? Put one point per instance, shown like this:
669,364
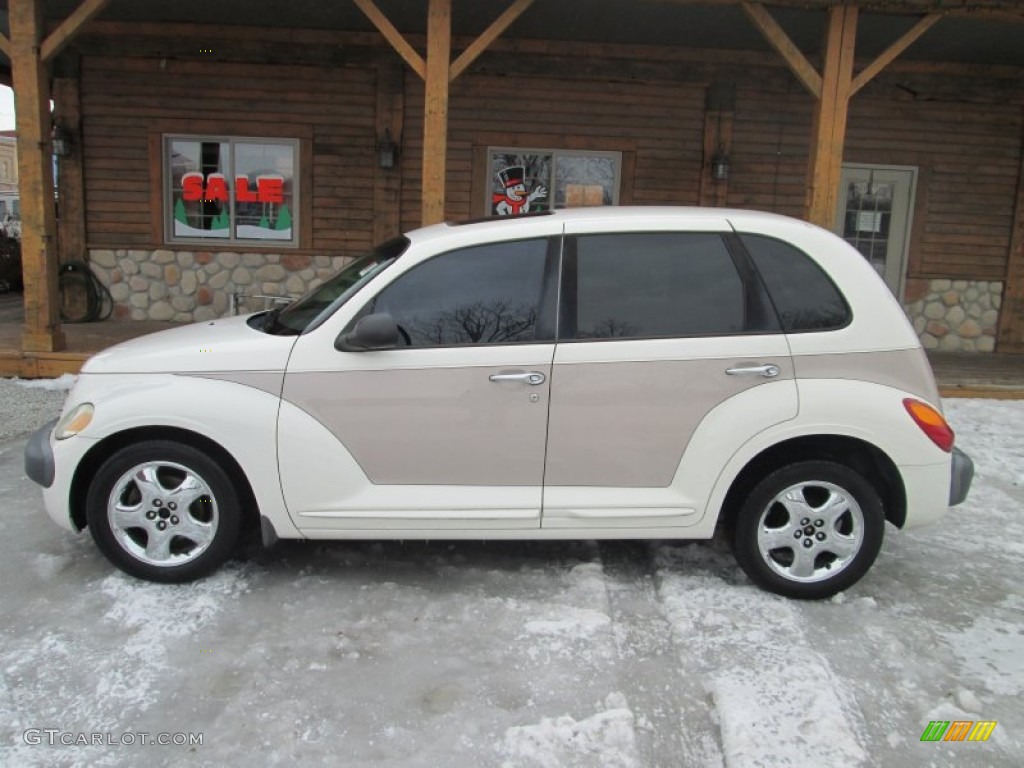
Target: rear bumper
962,474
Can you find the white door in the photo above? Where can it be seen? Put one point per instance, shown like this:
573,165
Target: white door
874,216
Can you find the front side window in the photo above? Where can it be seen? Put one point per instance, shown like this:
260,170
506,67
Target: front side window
649,285
532,180
486,294
231,190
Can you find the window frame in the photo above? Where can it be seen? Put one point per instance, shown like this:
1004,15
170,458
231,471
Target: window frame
232,241
759,316
618,156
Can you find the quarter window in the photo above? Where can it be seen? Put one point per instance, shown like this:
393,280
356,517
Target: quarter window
231,190
804,297
487,294
656,284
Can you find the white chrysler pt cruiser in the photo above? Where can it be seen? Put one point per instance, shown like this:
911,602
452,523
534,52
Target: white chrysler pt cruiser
595,373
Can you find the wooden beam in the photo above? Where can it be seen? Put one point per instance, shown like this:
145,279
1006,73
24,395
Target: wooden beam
393,36
488,36
70,27
1011,312
780,41
889,55
5,45
35,169
387,182
828,132
978,8
435,118
67,112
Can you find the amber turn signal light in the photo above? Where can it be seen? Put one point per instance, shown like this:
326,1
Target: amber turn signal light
931,423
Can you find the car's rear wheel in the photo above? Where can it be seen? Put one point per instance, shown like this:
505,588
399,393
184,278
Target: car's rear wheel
163,511
809,530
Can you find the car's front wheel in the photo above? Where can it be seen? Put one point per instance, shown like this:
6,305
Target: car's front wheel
163,511
809,530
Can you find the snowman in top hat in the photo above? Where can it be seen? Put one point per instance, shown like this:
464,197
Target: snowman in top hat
514,200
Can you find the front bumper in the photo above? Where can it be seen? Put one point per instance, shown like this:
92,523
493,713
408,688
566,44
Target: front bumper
39,464
961,476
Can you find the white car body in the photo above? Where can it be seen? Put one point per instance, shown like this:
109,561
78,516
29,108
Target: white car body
419,443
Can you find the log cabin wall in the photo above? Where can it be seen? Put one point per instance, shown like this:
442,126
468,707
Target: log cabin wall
963,137
128,104
656,126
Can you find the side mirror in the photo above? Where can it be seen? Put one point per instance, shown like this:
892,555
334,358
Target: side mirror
376,331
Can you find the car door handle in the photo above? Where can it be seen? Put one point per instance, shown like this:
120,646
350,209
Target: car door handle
768,371
530,377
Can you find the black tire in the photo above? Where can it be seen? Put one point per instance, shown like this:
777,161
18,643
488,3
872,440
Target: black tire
163,511
828,536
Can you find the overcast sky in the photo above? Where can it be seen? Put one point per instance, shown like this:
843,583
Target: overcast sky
6,109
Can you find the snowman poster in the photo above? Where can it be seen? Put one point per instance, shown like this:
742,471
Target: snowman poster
513,196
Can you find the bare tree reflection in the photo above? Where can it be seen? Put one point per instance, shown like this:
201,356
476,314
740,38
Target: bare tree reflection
495,322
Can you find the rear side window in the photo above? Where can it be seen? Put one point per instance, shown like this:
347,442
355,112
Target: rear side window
644,285
804,296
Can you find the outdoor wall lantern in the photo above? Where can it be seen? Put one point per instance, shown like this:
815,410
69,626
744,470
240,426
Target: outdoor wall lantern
387,151
720,165
60,141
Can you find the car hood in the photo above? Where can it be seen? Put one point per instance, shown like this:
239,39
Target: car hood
228,344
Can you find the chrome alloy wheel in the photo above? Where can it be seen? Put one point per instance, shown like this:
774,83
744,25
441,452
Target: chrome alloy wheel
810,531
162,513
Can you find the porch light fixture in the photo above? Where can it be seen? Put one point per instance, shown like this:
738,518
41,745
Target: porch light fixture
720,165
387,151
60,142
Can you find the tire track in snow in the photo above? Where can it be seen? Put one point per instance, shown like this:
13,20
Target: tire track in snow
675,725
776,698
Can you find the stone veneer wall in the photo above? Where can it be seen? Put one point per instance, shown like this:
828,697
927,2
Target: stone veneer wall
187,286
955,315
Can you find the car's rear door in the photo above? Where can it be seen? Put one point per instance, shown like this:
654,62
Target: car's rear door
669,357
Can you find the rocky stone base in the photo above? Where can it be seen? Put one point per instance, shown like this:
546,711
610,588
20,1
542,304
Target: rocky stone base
192,286
955,315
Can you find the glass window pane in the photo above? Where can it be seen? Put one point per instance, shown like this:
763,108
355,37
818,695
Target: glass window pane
264,191
519,183
650,285
584,180
804,296
200,190
487,294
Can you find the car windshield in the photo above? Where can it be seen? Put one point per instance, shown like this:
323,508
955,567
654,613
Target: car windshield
323,300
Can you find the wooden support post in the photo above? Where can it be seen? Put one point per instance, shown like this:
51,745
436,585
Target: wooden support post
67,113
1011,313
828,131
387,184
35,168
435,120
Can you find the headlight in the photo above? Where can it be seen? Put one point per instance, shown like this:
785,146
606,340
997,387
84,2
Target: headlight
74,421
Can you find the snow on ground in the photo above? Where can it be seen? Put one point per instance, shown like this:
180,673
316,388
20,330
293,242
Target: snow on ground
612,654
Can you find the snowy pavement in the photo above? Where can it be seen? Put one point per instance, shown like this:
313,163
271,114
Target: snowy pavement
470,654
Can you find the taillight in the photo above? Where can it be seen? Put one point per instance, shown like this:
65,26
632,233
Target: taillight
931,423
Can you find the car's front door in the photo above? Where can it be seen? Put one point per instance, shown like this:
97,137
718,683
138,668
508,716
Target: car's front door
446,430
668,348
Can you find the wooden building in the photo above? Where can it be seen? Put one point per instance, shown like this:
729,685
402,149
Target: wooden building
216,151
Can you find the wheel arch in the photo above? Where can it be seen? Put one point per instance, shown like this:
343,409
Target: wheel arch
109,445
870,461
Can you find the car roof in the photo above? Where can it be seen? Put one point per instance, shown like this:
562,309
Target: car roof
492,226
